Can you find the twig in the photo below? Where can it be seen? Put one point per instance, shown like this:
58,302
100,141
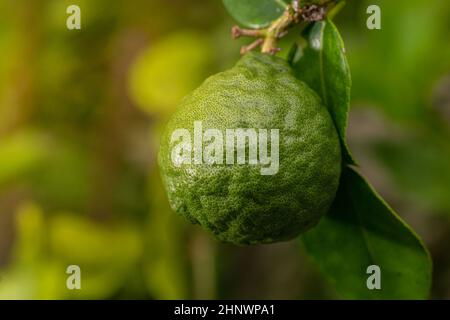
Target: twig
294,13
252,46
237,32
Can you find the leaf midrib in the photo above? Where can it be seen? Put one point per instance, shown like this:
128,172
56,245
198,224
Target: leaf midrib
364,234
281,3
322,68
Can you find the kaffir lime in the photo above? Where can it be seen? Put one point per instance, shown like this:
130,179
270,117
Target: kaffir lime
217,177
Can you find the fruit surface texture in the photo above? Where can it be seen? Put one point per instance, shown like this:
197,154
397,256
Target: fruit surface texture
235,202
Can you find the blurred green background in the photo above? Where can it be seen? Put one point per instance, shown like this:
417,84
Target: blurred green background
80,116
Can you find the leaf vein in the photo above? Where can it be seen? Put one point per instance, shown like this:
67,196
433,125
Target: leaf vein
281,3
322,68
363,230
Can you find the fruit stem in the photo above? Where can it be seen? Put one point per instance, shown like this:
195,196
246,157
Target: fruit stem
294,14
279,28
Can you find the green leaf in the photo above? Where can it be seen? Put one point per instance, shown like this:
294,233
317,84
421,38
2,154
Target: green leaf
324,67
255,13
361,230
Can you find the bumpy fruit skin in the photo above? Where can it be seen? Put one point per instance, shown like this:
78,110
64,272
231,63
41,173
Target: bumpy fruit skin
235,202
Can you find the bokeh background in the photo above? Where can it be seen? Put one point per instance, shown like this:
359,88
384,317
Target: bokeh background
80,117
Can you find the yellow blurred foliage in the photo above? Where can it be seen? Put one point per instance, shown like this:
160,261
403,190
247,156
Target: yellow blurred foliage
168,70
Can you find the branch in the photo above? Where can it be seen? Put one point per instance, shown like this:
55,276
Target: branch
294,14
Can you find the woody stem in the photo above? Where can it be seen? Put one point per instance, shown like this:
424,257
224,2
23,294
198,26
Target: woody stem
294,13
278,29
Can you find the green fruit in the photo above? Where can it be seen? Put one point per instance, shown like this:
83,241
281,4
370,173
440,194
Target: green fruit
236,202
